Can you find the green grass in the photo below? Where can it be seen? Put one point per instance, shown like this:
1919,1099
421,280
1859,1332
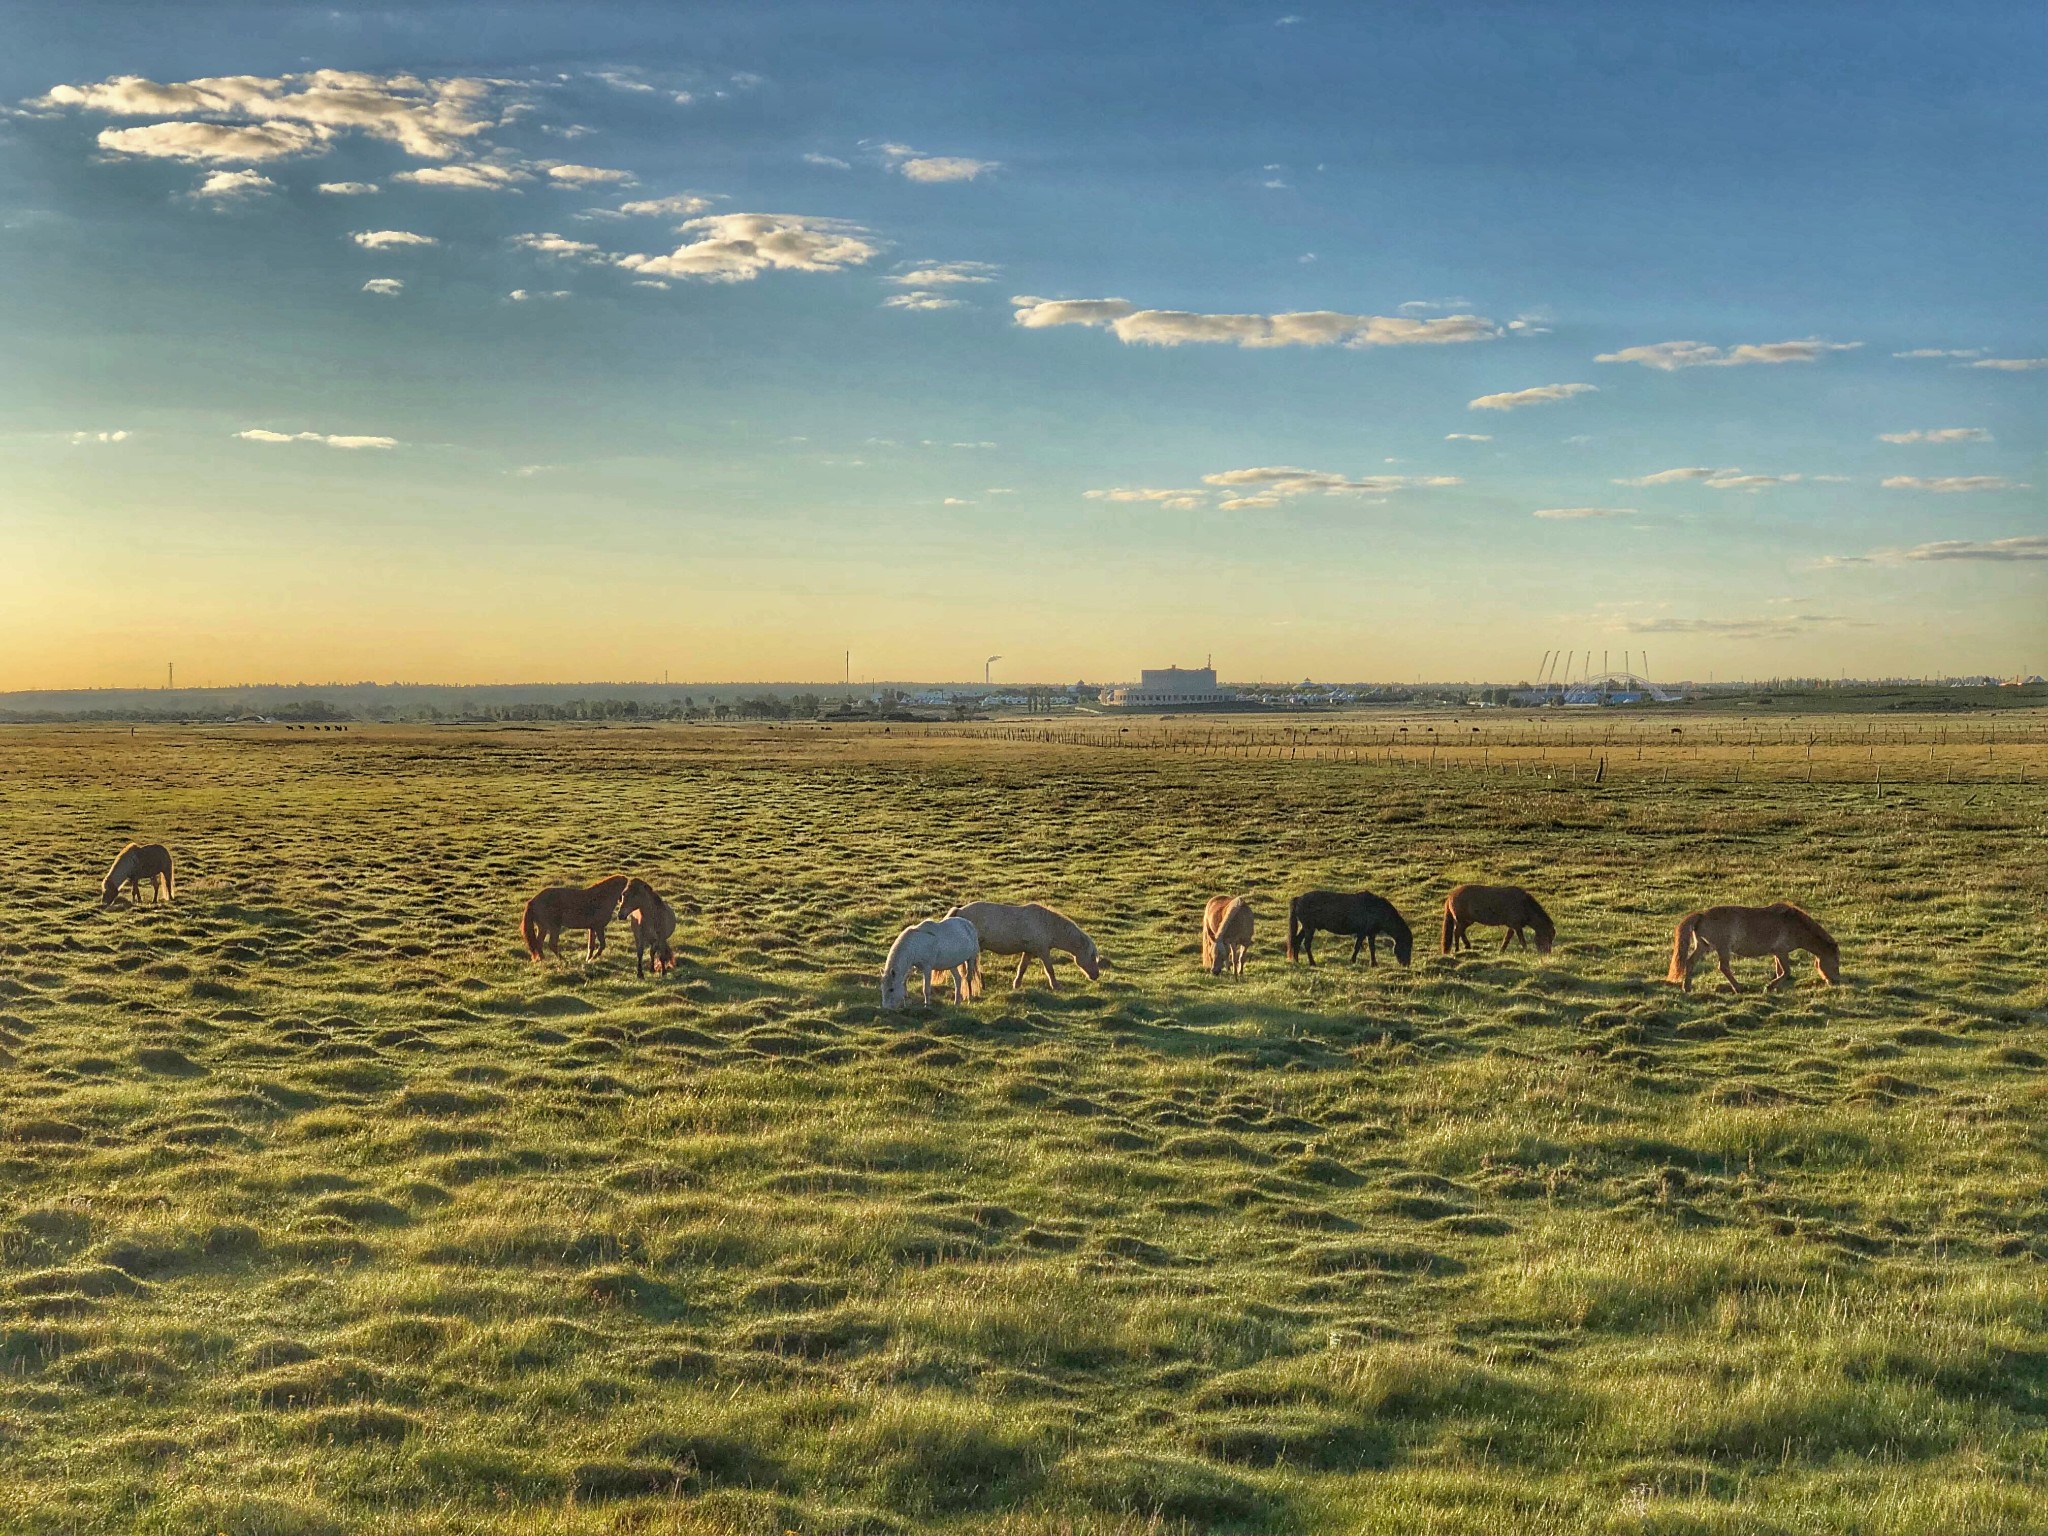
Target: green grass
322,1210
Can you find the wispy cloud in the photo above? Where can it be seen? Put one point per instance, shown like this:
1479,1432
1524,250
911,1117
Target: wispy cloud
585,175
1728,479
536,295
1576,514
828,162
739,247
1305,328
1950,484
473,176
2010,364
550,244
325,439
348,188
390,239
117,436
1542,394
1468,437
389,287
1178,498
1669,356
203,143
914,165
2023,547
1937,435
939,274
1765,627
1234,490
1942,352
679,205
920,300
232,185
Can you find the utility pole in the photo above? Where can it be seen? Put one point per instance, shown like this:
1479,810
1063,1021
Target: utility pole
170,674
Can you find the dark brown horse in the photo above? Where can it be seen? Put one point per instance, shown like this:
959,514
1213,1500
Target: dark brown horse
1364,916
139,862
1746,932
1496,906
571,906
654,927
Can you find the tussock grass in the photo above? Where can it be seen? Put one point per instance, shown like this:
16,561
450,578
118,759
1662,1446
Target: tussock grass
323,1211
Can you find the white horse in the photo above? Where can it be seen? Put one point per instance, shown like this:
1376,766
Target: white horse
944,944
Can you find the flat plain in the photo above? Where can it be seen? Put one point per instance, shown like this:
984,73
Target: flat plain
323,1210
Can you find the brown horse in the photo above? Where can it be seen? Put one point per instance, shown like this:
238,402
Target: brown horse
1030,932
654,927
571,906
1489,906
1746,932
139,862
1226,934
1365,917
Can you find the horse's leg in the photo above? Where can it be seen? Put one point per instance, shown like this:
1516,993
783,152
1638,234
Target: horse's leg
1782,974
1506,939
1357,939
1722,955
1023,961
1050,979
1308,946
1372,950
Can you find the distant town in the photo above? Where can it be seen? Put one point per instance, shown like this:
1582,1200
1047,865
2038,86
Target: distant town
1157,691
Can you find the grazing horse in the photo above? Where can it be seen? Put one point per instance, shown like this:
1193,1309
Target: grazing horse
139,862
1366,917
1746,932
937,944
571,906
1505,906
1226,934
654,927
1030,932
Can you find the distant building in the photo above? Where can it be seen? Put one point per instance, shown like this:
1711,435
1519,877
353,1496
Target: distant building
1169,688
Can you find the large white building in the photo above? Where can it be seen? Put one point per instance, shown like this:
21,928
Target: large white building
1169,687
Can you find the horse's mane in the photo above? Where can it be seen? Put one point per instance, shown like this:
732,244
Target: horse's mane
1819,936
1069,931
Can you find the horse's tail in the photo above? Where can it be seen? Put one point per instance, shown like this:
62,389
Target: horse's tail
1682,940
529,929
1450,927
1293,927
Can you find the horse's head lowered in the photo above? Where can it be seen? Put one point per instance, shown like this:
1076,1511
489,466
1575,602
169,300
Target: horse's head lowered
1828,962
1089,958
1546,932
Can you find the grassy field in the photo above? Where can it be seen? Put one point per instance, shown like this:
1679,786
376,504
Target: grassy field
323,1210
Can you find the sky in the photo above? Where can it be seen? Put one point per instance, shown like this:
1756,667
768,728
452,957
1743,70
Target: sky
528,342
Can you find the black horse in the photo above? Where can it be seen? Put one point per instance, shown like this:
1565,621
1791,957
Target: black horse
1366,917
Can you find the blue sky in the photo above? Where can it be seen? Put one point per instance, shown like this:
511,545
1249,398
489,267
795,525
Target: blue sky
526,342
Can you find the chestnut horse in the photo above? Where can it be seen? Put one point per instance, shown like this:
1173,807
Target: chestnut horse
654,927
571,906
1364,916
139,862
1746,932
1030,932
1226,934
1489,906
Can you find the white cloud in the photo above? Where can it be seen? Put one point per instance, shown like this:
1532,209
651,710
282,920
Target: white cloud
532,295
2024,547
1949,484
1286,480
251,117
1542,394
1468,437
920,301
738,247
198,143
1667,356
619,80
1575,513
1942,352
830,162
328,439
2010,364
555,245
349,188
471,176
1179,499
390,287
1937,435
937,274
1770,627
585,175
1310,328
390,239
678,205
233,184
1713,479
120,436
957,501
916,166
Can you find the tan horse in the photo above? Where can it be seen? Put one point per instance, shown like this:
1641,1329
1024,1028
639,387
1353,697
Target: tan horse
1030,932
654,927
1505,906
139,862
1746,932
572,907
1226,934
